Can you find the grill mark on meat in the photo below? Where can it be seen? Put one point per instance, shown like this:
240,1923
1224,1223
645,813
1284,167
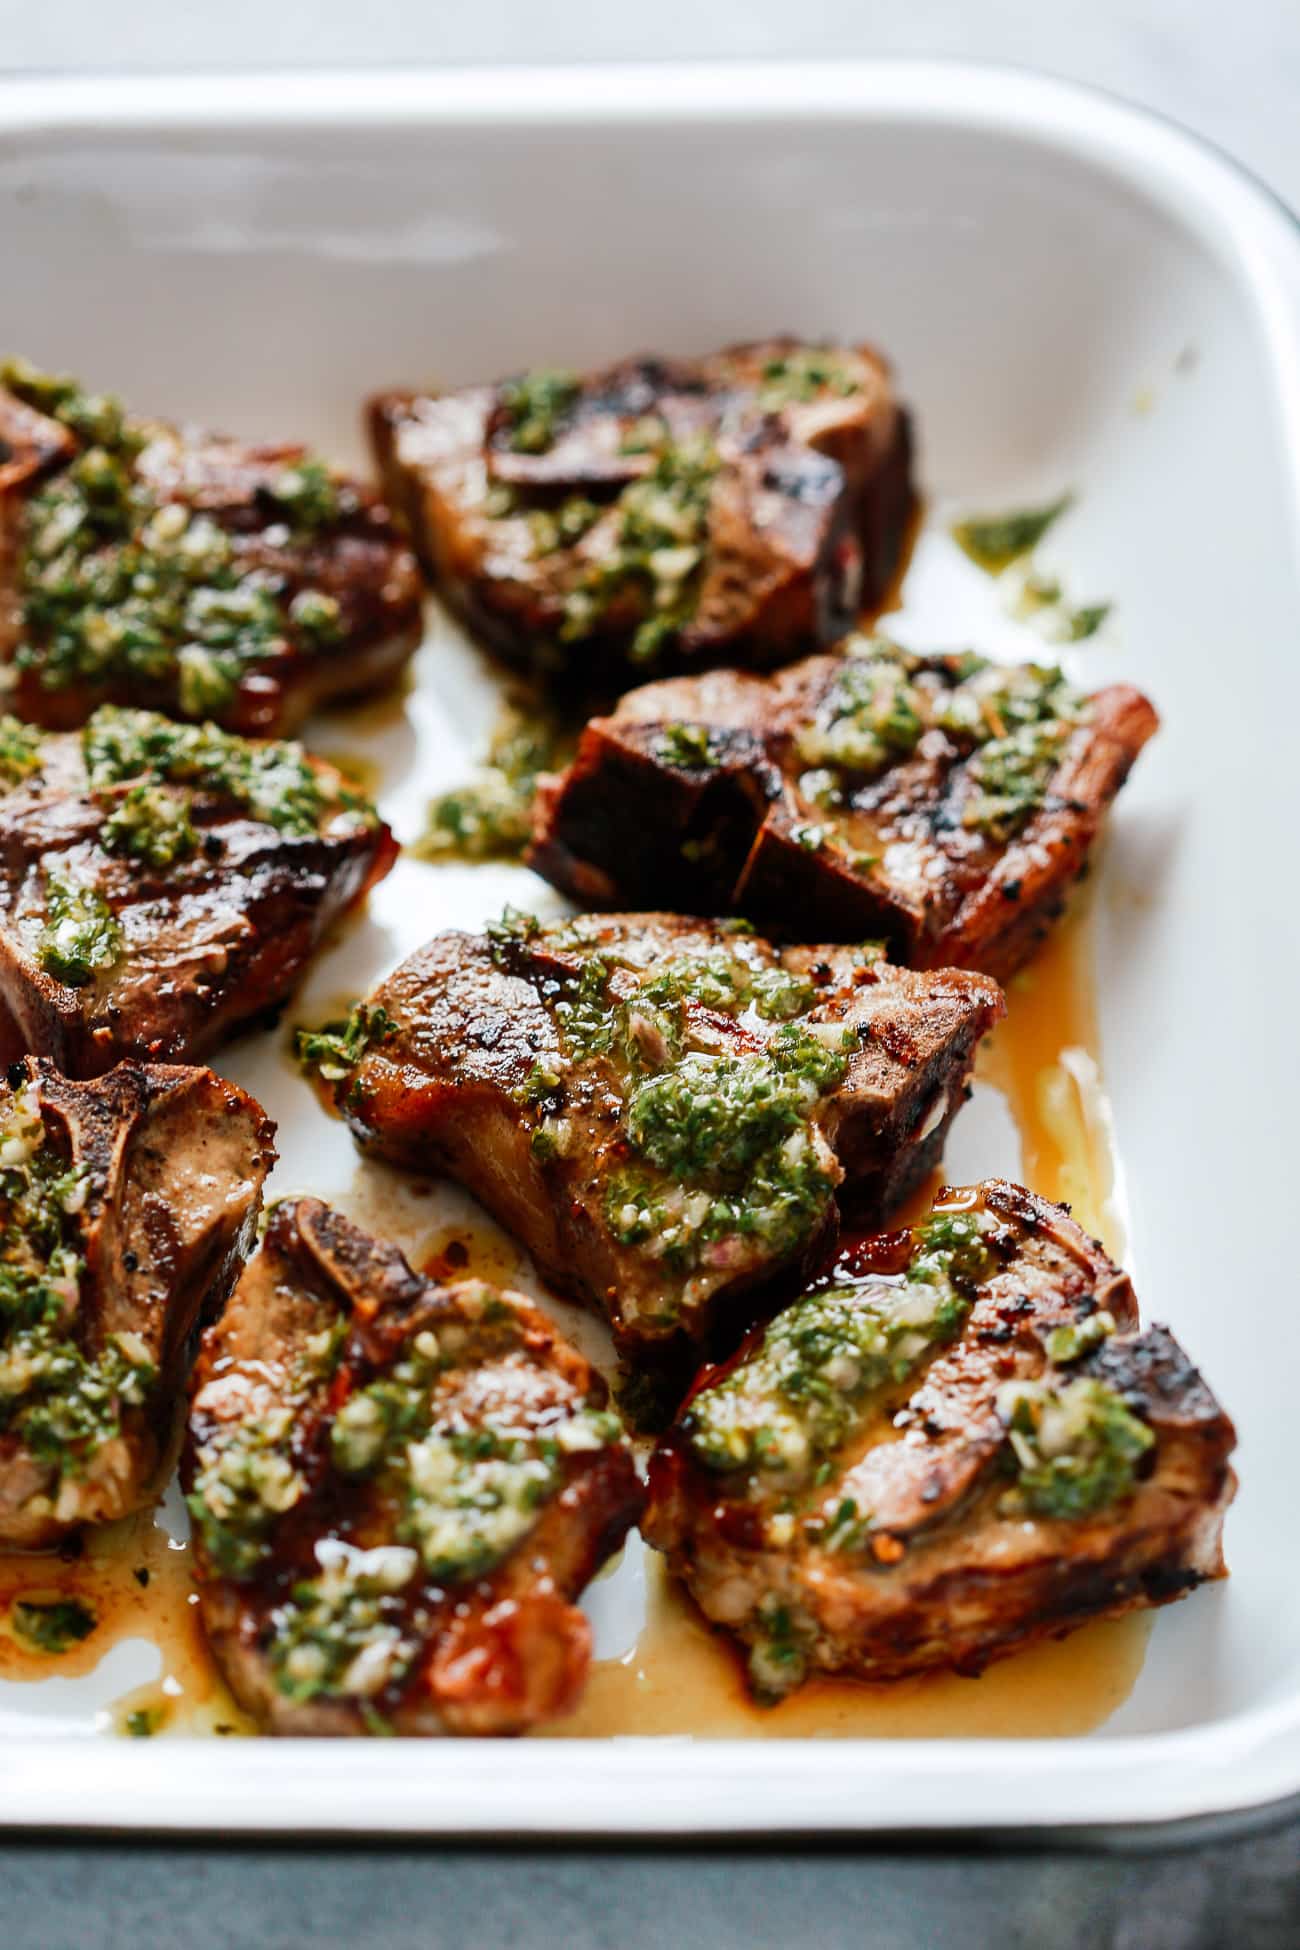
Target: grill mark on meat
439,1092
806,520
941,1575
625,825
210,942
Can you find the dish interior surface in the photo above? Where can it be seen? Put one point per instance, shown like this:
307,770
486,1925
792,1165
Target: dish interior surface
1058,320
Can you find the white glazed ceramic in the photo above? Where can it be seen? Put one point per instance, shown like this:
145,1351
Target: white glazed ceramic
1074,294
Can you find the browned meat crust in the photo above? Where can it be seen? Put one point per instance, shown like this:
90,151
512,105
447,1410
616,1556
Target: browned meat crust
128,1206
206,941
704,789
348,557
670,514
527,1066
400,1489
928,1519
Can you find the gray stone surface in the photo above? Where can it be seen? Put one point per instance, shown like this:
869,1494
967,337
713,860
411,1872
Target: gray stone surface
1245,1895
1233,73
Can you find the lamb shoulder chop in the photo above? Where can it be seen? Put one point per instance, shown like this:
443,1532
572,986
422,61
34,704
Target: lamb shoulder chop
127,1207
666,514
161,884
148,564
399,1489
945,804
957,1444
664,1111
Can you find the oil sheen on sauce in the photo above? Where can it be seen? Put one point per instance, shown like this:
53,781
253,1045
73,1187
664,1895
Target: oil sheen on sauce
679,1678
682,1678
134,1578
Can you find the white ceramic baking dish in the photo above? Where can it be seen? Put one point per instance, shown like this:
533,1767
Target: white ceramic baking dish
1074,294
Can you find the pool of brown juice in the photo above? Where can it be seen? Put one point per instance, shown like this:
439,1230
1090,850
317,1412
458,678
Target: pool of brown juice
135,1581
683,1678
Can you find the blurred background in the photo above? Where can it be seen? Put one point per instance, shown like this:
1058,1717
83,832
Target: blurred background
1231,72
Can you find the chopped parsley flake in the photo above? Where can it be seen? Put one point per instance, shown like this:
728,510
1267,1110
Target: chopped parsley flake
535,402
994,542
51,1625
689,746
153,823
338,1047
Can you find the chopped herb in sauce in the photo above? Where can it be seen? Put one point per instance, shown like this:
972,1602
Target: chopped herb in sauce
535,402
60,1400
656,553
804,374
1080,624
1011,775
20,750
689,746
719,1146
334,1048
871,717
275,779
80,935
994,542
51,1625
1077,1447
346,1630
997,543
245,1480
490,817
796,1399
511,935
1010,722
120,585
143,1722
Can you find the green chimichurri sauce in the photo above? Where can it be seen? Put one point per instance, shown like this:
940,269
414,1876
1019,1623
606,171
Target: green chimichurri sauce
119,585
58,1400
795,1400
1011,721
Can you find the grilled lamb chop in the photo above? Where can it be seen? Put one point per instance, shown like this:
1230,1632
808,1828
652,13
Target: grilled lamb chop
661,1110
665,514
955,1445
161,883
945,804
398,1490
127,1207
142,563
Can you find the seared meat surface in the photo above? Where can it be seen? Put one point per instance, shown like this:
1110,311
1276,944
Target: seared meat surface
945,804
161,884
663,1111
663,514
147,564
398,1491
957,1444
126,1209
